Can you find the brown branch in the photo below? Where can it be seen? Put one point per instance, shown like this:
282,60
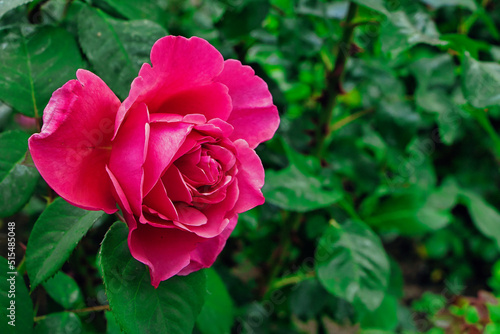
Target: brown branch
81,310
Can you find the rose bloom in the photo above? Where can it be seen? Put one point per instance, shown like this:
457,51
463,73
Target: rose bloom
177,155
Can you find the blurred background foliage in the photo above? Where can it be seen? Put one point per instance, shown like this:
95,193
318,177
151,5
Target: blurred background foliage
382,184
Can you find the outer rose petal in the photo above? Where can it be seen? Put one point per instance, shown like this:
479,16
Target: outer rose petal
179,64
206,252
128,155
254,117
72,149
250,178
166,251
212,100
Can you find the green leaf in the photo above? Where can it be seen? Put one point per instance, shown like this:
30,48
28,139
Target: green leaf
112,326
240,21
54,236
293,190
492,329
34,63
376,5
137,306
299,186
17,180
448,115
23,318
430,303
408,214
13,148
470,4
385,317
481,82
484,215
307,299
217,314
352,264
405,30
59,323
462,43
7,5
154,10
446,196
64,290
115,48
433,72
396,280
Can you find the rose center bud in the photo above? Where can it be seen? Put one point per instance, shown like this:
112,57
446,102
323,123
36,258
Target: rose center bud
206,172
191,185
200,170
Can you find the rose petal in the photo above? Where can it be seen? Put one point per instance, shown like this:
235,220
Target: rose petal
128,154
206,252
191,216
118,193
177,189
164,141
250,178
225,157
73,148
212,101
254,117
216,214
166,251
225,127
158,200
179,64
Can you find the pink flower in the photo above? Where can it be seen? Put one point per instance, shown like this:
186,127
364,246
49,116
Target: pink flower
177,155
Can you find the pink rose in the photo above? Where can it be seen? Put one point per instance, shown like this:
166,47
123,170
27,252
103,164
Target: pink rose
177,155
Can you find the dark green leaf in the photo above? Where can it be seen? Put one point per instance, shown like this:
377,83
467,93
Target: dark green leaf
462,43
13,148
59,323
115,48
217,314
408,214
376,5
484,215
435,71
481,82
405,30
155,10
352,264
242,20
137,306
307,299
64,290
54,236
293,190
23,307
17,180
112,326
7,5
299,186
33,64
385,317
470,4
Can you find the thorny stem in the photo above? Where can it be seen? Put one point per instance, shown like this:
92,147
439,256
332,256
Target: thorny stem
334,81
